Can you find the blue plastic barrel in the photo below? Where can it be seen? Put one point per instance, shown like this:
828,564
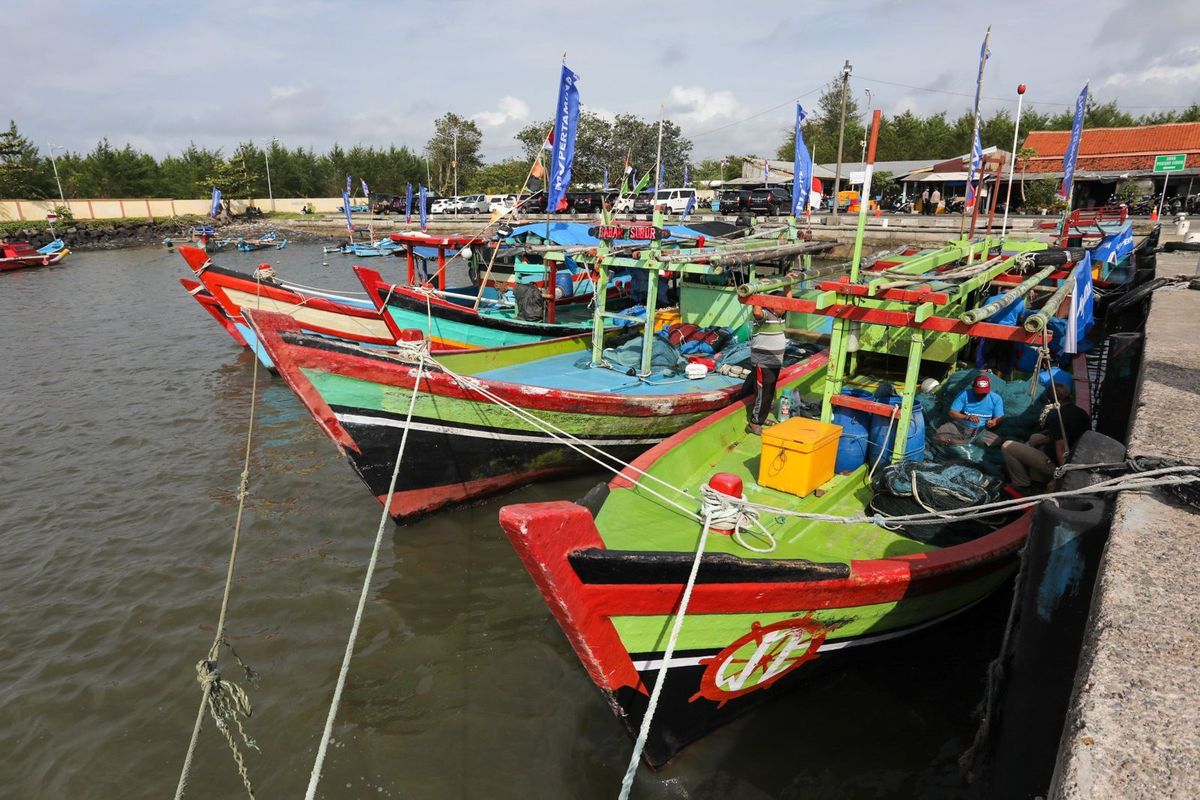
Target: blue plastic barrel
914,449
565,283
852,446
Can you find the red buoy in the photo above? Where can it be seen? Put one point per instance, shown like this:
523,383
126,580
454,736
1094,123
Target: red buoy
726,483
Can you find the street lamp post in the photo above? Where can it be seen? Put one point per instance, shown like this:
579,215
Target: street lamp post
54,164
267,156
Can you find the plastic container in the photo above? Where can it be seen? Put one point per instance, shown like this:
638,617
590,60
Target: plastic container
695,371
855,424
565,283
879,438
798,455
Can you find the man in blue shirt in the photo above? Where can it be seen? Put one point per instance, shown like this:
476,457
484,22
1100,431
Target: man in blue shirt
973,414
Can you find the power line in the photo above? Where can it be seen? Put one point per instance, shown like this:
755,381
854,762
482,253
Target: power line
1000,99
789,101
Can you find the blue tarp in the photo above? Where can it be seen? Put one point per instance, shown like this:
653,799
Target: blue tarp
576,233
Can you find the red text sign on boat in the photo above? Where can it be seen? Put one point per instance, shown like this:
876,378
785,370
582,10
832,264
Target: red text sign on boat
759,658
641,233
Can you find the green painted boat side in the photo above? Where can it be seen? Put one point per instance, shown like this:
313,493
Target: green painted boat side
455,333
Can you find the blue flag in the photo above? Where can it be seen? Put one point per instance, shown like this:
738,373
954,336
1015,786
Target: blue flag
662,176
349,185
802,169
1082,317
408,205
566,120
1073,146
766,172
366,191
215,208
976,165
346,209
605,186
421,200
686,177
689,208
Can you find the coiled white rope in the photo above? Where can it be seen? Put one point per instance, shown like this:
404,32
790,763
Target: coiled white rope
656,692
733,514
319,762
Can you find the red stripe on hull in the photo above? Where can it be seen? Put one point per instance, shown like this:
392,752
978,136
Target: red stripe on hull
424,501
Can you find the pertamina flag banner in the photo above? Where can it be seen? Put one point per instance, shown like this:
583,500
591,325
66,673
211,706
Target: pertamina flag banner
366,191
562,157
346,209
215,208
1082,316
802,169
976,165
408,205
421,199
1073,145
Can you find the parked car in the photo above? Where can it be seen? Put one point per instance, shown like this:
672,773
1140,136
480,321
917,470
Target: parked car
443,205
734,201
473,204
674,201
501,202
533,204
771,201
388,204
584,202
624,205
643,204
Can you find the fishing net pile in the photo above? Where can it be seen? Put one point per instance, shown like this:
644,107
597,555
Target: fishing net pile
917,487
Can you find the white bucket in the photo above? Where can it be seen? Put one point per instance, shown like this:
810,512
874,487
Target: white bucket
695,372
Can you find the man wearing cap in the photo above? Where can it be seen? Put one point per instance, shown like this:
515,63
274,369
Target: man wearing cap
973,414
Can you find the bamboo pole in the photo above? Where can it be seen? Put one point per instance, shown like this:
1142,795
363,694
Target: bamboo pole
1038,321
1007,299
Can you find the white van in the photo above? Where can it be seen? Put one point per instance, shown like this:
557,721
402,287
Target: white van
675,201
501,202
473,204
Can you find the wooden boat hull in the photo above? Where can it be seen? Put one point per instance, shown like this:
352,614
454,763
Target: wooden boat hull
210,304
31,259
468,446
754,626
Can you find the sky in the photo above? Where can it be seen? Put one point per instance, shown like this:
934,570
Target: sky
311,72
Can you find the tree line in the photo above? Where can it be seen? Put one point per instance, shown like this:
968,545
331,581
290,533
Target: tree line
453,155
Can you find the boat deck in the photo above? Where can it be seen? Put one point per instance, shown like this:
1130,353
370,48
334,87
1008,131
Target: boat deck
560,372
664,528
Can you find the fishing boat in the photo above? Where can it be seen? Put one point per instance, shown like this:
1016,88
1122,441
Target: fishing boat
619,392
21,255
721,567
324,314
201,236
213,307
268,241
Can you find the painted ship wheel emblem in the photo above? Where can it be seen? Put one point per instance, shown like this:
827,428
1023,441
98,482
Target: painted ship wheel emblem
761,657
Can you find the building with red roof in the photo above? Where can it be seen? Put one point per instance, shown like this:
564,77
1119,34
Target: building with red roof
1110,155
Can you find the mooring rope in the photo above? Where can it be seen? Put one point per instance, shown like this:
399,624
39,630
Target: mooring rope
656,692
319,763
223,699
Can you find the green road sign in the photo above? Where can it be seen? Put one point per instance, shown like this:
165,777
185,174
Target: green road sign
1172,163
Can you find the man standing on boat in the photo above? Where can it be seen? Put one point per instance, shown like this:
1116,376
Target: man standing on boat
767,348
973,415
1034,461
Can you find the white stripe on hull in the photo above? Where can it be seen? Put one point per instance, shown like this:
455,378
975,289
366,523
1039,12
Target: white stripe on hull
359,419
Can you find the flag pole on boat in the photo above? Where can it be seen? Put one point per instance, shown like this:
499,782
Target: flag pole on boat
976,155
1012,165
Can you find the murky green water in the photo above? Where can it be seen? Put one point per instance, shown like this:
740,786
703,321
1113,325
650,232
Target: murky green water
125,411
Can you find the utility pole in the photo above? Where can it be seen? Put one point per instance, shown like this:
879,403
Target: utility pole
54,164
837,175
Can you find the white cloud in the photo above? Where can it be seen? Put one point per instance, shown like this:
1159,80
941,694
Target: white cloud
510,109
285,92
1177,67
695,104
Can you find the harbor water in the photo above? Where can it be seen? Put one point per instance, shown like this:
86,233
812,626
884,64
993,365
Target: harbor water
125,417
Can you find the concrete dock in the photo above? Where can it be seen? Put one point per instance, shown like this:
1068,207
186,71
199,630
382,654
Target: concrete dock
1133,728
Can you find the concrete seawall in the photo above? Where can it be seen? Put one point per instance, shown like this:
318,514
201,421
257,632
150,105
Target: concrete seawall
1133,728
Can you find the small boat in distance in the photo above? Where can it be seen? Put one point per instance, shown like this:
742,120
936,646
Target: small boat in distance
269,240
22,255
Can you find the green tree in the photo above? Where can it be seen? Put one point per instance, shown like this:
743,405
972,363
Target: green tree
1042,193
184,175
1128,191
454,134
821,127
23,175
713,169
503,177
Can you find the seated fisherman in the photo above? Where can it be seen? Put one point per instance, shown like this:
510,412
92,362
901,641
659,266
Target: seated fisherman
973,414
1034,461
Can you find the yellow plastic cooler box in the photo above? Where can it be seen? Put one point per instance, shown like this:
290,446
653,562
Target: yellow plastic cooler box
798,455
